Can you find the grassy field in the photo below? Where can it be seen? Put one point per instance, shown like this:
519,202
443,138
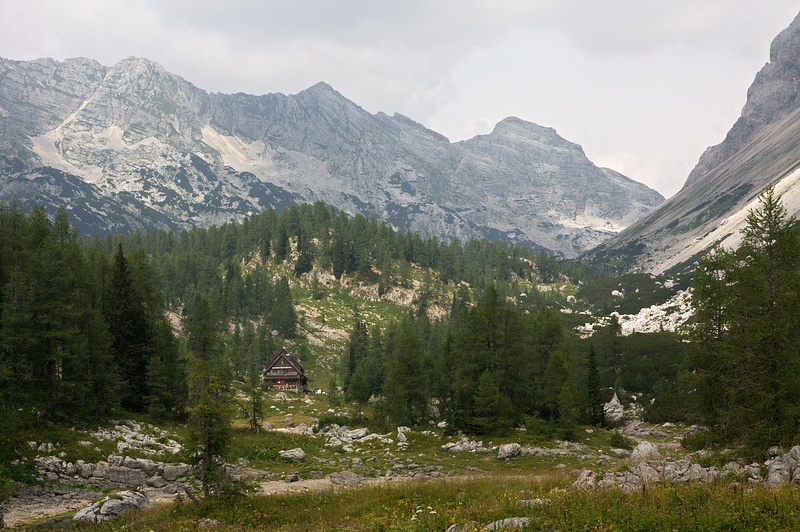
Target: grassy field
546,501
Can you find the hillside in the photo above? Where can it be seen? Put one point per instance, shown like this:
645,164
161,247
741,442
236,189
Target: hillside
761,149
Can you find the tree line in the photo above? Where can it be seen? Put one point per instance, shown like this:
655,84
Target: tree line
82,331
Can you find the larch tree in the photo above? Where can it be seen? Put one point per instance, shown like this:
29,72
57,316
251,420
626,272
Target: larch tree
748,329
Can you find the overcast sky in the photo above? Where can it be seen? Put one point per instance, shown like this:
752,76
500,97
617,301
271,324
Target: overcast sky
643,85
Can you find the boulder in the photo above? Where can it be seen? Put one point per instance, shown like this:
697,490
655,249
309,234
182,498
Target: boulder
126,476
156,482
509,523
645,474
148,466
293,455
173,472
586,480
508,451
346,478
463,445
644,451
356,434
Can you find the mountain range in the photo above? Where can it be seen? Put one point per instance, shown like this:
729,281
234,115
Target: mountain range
134,146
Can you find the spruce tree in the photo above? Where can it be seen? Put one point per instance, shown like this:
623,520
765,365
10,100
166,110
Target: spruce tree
406,378
492,409
130,338
595,403
210,396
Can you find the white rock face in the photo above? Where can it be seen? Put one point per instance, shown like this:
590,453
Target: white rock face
672,315
759,150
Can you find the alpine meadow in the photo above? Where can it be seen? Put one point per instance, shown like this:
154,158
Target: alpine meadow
284,312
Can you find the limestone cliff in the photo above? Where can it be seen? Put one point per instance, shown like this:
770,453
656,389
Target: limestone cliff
135,146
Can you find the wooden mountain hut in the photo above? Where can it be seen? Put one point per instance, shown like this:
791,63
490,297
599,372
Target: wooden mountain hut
285,373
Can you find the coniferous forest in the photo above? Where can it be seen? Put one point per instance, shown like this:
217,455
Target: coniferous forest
164,325
91,324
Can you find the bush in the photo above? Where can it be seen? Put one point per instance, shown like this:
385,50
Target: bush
619,441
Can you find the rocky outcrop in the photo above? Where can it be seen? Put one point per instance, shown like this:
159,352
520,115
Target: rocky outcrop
644,451
507,451
113,505
153,150
614,412
346,478
293,455
464,444
336,436
118,471
781,469
509,523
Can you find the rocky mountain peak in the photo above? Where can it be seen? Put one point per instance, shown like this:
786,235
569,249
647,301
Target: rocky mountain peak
154,150
773,95
762,148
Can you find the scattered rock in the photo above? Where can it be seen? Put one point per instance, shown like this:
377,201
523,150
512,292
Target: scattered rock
586,480
780,470
173,472
509,523
156,482
294,455
465,445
